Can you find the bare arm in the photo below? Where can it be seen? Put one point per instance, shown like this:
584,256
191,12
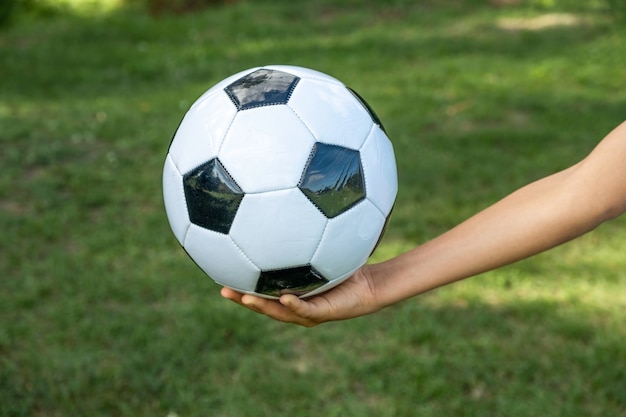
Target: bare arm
535,218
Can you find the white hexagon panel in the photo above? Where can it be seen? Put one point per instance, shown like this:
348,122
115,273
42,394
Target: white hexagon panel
332,113
220,258
286,226
348,241
279,179
264,156
202,129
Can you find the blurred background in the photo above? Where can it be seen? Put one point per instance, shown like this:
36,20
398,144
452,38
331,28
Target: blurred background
102,313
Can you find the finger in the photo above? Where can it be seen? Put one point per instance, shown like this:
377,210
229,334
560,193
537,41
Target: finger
257,304
275,310
295,304
270,308
308,311
249,301
231,295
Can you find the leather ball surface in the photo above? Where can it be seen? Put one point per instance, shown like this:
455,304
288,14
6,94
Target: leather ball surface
279,179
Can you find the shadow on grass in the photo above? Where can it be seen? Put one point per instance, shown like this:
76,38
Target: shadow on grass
485,358
519,359
94,323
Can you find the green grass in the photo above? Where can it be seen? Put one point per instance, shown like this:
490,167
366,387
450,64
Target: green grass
102,314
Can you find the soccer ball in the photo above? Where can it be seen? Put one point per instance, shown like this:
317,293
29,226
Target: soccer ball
279,179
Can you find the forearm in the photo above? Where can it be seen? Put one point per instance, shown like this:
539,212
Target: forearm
535,218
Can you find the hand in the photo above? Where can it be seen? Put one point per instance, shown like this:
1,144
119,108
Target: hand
352,298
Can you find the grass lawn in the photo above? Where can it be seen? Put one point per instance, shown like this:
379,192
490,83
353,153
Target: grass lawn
102,314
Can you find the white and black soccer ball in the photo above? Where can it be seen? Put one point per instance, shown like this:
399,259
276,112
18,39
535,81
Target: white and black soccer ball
279,179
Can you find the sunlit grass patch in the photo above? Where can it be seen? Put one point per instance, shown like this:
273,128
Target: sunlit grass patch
78,8
542,22
103,314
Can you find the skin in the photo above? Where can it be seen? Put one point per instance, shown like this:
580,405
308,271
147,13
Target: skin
531,220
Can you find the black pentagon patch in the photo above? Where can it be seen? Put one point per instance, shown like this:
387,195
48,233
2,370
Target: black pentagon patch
369,109
298,280
263,87
333,179
212,196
